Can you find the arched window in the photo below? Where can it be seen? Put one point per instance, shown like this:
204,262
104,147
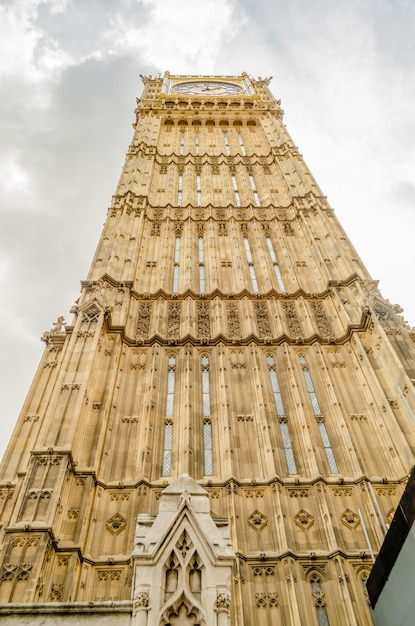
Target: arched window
168,423
180,190
282,417
198,190
250,264
236,190
201,265
207,424
319,416
254,190
275,263
319,601
176,266
241,143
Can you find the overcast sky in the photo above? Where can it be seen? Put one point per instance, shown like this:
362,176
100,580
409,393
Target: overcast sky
69,75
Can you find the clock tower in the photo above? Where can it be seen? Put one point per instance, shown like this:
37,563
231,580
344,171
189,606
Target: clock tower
222,432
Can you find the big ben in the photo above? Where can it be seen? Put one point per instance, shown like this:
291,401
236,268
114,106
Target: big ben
221,433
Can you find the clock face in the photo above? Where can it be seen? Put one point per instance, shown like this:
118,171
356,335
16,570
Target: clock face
207,88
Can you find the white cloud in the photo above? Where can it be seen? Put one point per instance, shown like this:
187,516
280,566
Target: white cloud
13,177
26,52
189,33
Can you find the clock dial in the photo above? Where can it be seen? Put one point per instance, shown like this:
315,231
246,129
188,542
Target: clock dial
207,88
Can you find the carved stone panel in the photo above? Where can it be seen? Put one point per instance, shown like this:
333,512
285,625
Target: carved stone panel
322,321
262,318
234,327
203,320
143,320
173,320
293,323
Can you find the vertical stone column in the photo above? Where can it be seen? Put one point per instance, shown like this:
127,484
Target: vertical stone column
141,607
223,607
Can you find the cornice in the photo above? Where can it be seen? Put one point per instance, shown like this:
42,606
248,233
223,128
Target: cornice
226,296
305,203
284,150
250,339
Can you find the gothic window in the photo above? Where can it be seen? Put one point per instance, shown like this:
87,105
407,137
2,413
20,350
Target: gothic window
275,263
241,143
254,190
171,378
319,416
198,190
235,190
181,143
197,144
227,148
168,424
250,264
279,407
319,602
180,191
207,425
176,267
201,266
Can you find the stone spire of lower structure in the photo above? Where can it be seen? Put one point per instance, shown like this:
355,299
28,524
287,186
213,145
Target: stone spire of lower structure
182,561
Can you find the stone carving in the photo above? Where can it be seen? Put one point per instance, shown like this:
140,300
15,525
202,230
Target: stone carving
262,318
91,315
251,493
184,544
31,417
180,556
56,592
386,491
73,514
294,327
358,417
143,320
234,327
288,229
71,386
173,320
298,492
263,570
18,571
109,574
350,519
142,600
155,229
223,601
343,491
127,419
257,520
48,460
222,229
304,520
57,329
116,524
322,322
203,320
121,495
265,599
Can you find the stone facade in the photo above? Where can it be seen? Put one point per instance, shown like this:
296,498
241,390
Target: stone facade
228,331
